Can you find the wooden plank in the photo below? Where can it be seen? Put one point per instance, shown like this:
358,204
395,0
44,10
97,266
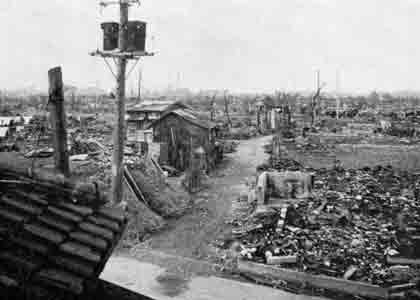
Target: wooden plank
119,54
134,187
319,281
58,120
278,260
157,165
402,261
350,272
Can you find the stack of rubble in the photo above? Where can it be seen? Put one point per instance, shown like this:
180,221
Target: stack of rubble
362,225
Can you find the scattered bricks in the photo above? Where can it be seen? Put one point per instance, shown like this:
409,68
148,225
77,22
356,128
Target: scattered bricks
402,287
399,270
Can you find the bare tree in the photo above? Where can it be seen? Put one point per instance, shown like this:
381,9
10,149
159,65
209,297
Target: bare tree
213,108
315,99
227,102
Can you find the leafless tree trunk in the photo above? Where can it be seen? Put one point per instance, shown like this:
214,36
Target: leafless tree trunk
212,108
226,98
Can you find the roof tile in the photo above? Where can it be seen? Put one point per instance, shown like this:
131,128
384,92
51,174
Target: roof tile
113,214
89,239
96,230
74,265
101,221
56,223
26,207
79,209
81,251
32,245
65,214
45,233
19,262
60,279
12,216
31,197
8,281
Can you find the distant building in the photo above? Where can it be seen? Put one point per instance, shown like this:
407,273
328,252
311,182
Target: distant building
268,114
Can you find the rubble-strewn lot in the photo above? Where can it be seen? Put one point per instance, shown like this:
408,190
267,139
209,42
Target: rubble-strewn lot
360,224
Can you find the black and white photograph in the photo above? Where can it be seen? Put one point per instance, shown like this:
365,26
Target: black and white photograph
210,150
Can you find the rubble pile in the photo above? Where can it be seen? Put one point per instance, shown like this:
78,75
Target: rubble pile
86,146
166,200
357,225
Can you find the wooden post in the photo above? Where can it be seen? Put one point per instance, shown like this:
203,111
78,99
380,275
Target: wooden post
58,120
119,132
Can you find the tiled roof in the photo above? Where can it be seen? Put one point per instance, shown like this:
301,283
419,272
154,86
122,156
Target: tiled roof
50,243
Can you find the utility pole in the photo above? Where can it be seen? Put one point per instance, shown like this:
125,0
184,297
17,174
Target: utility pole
139,84
119,131
58,121
337,88
122,55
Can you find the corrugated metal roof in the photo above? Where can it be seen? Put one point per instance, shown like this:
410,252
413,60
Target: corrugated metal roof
190,116
149,105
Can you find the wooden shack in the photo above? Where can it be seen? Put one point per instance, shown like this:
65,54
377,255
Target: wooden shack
140,116
182,130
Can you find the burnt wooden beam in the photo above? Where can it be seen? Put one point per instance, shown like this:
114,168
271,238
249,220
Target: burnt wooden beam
58,120
318,281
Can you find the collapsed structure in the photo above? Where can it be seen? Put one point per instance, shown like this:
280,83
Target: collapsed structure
348,230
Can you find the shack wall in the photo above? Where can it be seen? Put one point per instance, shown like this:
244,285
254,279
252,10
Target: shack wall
178,134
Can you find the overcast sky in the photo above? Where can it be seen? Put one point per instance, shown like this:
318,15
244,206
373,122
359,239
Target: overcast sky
241,45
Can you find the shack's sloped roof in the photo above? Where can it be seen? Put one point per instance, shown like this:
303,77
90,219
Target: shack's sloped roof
188,115
49,243
155,106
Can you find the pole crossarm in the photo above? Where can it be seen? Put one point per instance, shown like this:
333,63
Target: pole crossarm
117,2
121,54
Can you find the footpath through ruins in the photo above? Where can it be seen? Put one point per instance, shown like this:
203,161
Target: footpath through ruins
182,261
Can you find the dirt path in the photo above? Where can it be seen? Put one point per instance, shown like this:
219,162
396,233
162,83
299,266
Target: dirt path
191,235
